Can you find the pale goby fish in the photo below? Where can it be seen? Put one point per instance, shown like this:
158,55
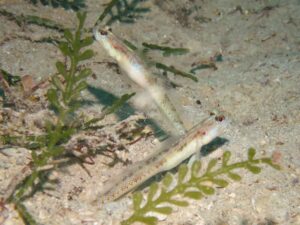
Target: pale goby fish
136,70
164,159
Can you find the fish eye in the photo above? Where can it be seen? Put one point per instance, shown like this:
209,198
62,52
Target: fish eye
109,29
103,32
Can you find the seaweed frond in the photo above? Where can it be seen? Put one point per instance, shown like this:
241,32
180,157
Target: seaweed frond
9,78
66,4
207,64
70,81
63,97
125,11
190,183
175,71
25,215
166,50
29,19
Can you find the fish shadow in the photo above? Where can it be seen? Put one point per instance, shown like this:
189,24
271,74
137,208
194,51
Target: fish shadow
106,99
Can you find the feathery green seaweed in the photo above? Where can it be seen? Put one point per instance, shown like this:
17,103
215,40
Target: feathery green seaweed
191,183
27,218
9,78
175,71
125,11
29,19
66,4
166,50
211,63
64,98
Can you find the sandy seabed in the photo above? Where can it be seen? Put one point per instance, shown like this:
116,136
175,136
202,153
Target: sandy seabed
256,86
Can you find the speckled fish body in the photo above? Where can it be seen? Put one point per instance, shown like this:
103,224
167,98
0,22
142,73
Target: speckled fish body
137,72
164,159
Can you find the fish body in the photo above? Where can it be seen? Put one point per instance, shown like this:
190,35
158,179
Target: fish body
137,72
164,159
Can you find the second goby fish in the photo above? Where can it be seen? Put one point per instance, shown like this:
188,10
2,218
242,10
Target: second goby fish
162,160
